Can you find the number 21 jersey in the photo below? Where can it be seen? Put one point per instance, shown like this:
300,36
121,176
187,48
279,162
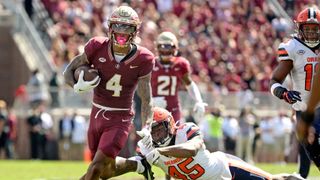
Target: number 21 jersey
166,81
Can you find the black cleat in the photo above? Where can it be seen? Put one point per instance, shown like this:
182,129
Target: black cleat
147,173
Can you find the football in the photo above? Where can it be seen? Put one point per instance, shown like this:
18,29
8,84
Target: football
89,73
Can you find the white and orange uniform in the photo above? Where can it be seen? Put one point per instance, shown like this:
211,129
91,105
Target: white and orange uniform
203,166
304,66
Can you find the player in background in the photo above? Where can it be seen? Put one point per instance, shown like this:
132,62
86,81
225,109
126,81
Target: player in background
299,58
180,152
122,66
171,71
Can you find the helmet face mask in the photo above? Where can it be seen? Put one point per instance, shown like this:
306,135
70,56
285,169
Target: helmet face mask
160,133
122,34
167,46
162,127
308,26
166,52
123,26
310,33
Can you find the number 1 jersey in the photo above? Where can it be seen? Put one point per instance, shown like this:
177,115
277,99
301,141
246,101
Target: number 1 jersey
305,62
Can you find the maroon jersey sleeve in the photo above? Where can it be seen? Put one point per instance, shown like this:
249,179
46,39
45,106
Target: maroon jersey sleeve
93,45
184,65
148,62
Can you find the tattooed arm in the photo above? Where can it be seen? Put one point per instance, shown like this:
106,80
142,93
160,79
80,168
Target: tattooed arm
144,91
77,61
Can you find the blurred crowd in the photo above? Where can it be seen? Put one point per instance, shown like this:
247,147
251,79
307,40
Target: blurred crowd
231,44
268,139
41,135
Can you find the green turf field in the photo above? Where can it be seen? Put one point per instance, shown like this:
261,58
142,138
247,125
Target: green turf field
71,170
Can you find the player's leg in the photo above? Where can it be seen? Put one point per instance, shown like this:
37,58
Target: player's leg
304,162
107,167
115,130
114,136
313,150
240,169
124,165
107,134
93,136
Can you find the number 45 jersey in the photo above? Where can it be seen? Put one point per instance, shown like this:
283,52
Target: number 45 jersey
203,166
304,66
166,81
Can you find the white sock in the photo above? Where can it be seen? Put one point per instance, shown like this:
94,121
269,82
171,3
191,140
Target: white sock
140,167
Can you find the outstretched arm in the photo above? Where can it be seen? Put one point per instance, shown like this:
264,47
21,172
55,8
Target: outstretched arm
144,91
184,150
77,61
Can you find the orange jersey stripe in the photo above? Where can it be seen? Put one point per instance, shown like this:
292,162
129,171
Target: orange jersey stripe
282,52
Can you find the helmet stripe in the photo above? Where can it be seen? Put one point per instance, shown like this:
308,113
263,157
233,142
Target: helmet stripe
312,13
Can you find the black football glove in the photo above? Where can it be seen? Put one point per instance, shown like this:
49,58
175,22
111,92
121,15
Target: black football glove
291,97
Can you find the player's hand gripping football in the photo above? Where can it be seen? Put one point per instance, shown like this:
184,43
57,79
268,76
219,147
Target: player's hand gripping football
199,109
145,144
291,97
83,86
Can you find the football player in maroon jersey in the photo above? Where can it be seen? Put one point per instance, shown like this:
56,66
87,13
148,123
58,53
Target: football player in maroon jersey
122,66
169,74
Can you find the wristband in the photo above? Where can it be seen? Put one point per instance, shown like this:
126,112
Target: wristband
277,90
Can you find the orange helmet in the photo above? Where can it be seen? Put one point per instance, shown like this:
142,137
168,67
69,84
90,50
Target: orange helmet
123,25
308,26
167,46
162,127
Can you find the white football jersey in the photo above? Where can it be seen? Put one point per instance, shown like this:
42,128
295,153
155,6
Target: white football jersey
203,166
304,66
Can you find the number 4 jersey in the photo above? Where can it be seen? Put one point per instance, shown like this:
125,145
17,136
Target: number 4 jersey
203,166
304,65
166,82
118,80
